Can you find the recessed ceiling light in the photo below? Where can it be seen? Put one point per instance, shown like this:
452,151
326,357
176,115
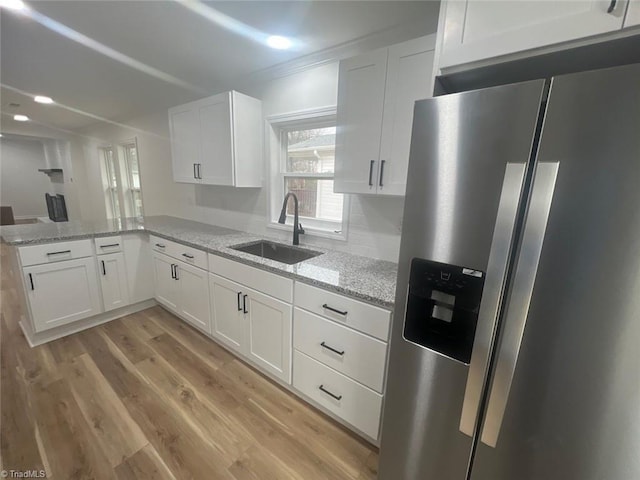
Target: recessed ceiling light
278,42
13,4
43,99
21,118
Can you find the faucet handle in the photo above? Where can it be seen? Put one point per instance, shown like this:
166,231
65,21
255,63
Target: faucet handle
300,229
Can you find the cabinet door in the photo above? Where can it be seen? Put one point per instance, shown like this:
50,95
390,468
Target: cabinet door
409,68
228,323
139,264
167,287
269,334
359,122
113,280
216,148
194,296
633,14
62,292
479,30
185,142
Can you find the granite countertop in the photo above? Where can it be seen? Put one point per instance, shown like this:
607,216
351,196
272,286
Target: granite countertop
363,278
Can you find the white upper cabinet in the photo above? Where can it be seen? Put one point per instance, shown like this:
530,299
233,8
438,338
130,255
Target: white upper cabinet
218,141
477,30
633,14
376,96
360,103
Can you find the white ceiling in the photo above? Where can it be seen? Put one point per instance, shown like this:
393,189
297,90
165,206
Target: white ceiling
174,40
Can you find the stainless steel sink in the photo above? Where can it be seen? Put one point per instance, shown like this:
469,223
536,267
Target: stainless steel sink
277,251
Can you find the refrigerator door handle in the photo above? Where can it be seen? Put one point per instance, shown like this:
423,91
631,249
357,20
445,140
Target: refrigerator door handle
492,293
517,308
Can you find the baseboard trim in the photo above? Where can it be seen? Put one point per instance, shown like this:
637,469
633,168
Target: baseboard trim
39,338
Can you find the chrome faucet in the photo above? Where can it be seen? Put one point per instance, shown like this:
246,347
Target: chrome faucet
297,226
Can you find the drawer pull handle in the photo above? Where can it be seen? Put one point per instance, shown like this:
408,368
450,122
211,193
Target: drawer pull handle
244,304
31,281
324,390
186,255
59,253
239,306
324,345
110,245
159,245
340,312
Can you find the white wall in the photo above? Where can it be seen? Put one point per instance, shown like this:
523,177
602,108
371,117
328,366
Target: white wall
374,222
23,187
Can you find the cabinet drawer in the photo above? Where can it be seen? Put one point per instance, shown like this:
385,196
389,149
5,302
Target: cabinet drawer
366,318
55,252
359,356
265,282
112,244
354,403
189,255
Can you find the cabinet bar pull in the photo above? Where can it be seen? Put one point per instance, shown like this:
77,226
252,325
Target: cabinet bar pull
239,306
159,245
322,389
244,304
340,312
111,245
31,281
382,162
104,270
324,345
371,172
195,175
199,172
59,253
186,255
175,268
173,274
612,6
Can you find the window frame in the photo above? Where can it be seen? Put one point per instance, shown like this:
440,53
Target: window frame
123,191
277,128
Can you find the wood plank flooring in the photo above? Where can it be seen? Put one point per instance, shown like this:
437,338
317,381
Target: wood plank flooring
147,396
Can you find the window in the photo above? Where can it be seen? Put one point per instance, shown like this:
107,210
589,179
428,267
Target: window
130,151
121,180
110,182
304,162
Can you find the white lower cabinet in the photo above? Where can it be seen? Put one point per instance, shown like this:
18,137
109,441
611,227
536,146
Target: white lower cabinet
62,292
269,333
227,317
194,296
253,324
113,280
183,289
356,404
167,288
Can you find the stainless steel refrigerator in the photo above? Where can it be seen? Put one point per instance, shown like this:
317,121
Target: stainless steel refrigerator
515,350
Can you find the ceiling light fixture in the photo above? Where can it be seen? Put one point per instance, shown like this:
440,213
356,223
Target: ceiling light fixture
279,43
43,99
21,118
17,5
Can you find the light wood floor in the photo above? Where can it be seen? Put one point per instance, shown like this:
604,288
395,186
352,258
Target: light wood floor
148,397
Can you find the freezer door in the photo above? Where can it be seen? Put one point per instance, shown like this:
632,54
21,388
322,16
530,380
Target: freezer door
565,398
468,164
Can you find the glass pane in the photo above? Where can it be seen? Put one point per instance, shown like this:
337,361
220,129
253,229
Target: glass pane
111,170
115,203
316,198
311,150
134,170
137,203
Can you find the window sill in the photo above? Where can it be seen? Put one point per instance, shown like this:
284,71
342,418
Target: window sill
310,231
